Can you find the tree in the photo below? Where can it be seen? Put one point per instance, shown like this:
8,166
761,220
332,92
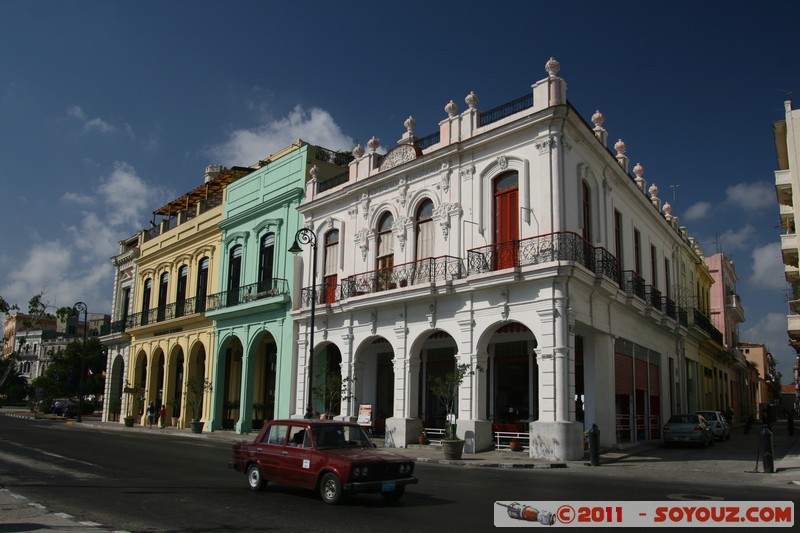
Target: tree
195,390
37,311
16,387
331,390
445,388
63,374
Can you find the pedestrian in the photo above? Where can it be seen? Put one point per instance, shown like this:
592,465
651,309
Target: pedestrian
151,414
162,418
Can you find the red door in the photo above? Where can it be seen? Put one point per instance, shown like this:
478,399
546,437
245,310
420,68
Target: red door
329,289
506,209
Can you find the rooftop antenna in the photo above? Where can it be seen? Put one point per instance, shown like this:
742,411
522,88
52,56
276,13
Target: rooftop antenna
717,244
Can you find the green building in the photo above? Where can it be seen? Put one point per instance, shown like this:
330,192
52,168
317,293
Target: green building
255,363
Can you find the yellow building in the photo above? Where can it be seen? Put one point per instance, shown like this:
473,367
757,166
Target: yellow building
172,341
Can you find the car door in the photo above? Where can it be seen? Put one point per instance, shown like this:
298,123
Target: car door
299,468
270,455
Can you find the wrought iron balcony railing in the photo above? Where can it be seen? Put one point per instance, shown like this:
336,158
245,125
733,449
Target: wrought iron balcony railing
702,321
606,264
423,271
248,293
669,308
683,317
325,293
653,297
634,284
114,327
565,246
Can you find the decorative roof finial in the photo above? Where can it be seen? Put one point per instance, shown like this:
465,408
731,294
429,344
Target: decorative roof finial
314,172
451,108
620,147
552,67
358,151
410,124
373,144
638,169
598,119
471,99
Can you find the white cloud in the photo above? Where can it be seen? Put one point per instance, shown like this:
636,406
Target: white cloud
738,240
697,211
247,146
76,266
752,196
768,268
96,123
78,199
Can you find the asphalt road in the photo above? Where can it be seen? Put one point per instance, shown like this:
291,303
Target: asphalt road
142,482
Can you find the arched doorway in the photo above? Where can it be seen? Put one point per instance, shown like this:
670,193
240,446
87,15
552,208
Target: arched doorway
437,358
264,378
513,378
231,387
374,385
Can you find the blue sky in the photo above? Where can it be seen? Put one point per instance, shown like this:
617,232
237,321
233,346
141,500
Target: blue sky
109,109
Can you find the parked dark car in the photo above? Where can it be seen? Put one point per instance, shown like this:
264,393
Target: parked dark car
331,457
688,428
70,409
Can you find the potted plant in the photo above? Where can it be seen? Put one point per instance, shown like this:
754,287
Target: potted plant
423,438
445,388
514,445
195,390
133,398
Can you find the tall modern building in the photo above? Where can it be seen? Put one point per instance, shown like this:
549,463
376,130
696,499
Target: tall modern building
787,186
514,241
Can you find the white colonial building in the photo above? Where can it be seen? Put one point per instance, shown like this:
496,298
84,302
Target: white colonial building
514,241
114,337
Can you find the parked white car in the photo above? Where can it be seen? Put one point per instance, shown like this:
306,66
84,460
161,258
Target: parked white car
717,424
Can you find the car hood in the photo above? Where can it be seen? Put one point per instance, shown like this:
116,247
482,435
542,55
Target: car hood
366,455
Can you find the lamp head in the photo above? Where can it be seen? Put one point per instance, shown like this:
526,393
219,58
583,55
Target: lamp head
295,249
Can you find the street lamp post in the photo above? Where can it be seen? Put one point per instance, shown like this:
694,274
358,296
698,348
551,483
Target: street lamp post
76,310
306,236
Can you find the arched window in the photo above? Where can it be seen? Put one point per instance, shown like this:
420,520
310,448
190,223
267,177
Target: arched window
587,213
331,266
148,287
506,220
266,260
424,231
202,285
234,275
163,283
180,293
385,252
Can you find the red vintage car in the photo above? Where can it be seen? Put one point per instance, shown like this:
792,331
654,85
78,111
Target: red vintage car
330,456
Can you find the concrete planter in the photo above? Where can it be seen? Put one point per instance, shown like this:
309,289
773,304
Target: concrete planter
452,448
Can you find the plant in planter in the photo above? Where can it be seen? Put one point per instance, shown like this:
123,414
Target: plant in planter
445,388
514,445
133,400
423,438
195,390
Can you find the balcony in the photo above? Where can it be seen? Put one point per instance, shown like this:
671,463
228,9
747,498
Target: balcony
703,322
565,246
248,293
430,270
783,186
669,308
793,326
653,297
789,246
166,312
114,327
634,284
735,308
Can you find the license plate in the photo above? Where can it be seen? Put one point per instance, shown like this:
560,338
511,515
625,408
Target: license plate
388,486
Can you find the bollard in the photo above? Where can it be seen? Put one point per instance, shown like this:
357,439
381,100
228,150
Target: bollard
768,453
594,445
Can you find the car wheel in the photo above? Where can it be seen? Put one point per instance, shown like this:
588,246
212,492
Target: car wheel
330,488
255,479
395,494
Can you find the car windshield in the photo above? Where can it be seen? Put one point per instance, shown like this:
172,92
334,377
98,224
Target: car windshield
708,415
331,436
